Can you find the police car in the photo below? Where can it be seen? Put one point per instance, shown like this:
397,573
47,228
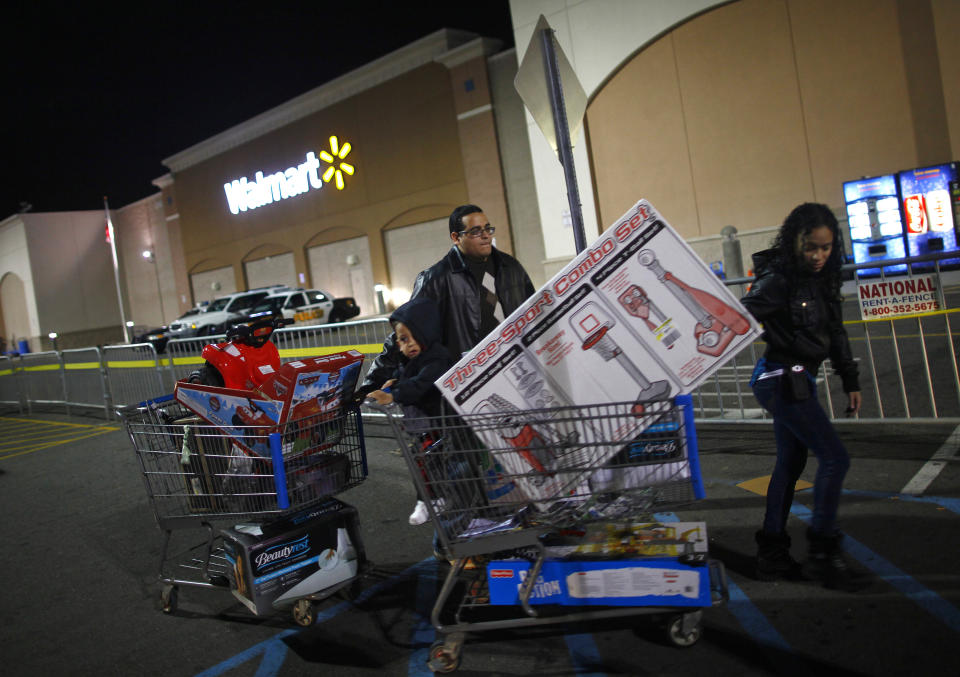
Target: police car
308,306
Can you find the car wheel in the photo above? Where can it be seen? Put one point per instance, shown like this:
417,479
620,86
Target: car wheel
336,316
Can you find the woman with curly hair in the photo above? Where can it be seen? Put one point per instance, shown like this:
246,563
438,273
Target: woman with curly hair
797,298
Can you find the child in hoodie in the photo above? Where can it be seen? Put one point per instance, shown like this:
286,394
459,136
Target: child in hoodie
423,360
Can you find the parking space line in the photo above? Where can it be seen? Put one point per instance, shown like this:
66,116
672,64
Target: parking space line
583,654
748,615
951,504
932,468
423,630
54,424
923,596
26,436
274,650
752,619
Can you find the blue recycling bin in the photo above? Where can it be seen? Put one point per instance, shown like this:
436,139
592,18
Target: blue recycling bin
23,346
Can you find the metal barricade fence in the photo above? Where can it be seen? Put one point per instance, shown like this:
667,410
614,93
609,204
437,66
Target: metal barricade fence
42,378
84,381
908,364
364,336
133,373
11,392
182,356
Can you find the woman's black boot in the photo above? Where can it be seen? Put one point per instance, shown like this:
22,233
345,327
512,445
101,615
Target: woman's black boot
828,565
773,557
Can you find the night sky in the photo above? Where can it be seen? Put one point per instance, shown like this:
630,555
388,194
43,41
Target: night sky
97,94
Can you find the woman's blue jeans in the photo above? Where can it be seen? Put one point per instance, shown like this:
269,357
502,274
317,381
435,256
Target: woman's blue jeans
799,427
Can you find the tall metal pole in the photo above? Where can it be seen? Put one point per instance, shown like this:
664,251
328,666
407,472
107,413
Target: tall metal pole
116,270
564,147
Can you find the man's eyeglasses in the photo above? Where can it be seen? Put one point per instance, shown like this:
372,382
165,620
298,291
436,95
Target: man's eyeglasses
475,231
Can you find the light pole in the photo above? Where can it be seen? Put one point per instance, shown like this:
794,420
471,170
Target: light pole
53,337
151,257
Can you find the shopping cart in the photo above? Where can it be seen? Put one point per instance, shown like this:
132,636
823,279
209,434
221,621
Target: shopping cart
201,482
550,516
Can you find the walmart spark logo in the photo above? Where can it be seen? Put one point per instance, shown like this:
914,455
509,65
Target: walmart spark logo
336,168
243,194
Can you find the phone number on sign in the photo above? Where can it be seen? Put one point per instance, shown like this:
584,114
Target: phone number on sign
897,309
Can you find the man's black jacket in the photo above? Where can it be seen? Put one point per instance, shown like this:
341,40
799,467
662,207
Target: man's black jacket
802,320
456,292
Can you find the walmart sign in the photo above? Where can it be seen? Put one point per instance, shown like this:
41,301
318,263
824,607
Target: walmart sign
244,194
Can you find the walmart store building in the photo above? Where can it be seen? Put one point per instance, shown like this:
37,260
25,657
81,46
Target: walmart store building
719,113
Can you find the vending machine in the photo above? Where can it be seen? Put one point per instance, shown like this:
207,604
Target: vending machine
928,210
873,217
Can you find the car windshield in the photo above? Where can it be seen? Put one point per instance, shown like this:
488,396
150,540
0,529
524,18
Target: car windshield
246,301
270,304
218,304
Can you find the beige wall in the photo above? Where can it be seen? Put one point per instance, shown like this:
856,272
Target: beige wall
946,17
73,277
405,147
14,317
518,181
150,290
326,265
18,308
746,110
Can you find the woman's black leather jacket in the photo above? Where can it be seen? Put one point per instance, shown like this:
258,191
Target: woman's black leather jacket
802,320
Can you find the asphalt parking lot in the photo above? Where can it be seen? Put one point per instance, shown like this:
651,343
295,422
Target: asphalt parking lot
81,549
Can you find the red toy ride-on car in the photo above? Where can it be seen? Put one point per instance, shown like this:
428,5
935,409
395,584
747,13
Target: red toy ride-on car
245,360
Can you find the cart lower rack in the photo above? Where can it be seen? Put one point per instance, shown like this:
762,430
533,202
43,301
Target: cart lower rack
548,516
213,500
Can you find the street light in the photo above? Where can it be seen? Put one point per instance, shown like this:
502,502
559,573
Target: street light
53,337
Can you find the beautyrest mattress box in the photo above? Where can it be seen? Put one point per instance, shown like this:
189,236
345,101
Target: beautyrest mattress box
273,565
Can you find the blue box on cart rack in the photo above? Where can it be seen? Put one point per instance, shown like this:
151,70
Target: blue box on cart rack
603,582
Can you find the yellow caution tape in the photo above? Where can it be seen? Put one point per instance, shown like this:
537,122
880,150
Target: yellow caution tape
367,348
82,365
288,353
126,364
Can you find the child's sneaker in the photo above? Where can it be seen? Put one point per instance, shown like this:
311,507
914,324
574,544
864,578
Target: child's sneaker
419,514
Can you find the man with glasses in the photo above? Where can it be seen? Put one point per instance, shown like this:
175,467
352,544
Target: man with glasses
475,286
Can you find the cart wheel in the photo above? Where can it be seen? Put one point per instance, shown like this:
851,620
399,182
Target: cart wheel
677,636
304,612
168,599
442,659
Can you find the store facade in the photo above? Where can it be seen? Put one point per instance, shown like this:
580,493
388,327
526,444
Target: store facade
347,187
732,112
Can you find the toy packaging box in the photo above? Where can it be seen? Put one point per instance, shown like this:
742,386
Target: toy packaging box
310,387
244,415
613,565
314,385
636,317
274,565
622,582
